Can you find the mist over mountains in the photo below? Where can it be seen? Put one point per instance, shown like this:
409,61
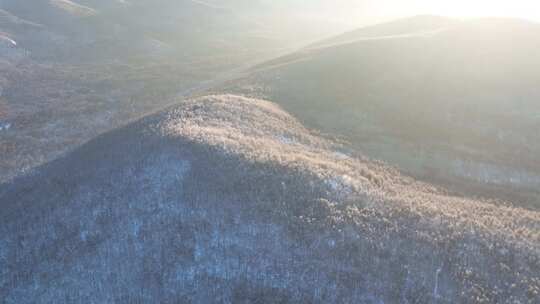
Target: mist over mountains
234,152
443,99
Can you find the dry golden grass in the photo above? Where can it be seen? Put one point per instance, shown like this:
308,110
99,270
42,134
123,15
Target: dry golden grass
467,233
262,132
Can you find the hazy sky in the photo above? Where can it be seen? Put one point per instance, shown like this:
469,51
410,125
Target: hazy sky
366,11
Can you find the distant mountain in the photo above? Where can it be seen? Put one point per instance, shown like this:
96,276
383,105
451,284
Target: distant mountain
407,26
229,199
450,101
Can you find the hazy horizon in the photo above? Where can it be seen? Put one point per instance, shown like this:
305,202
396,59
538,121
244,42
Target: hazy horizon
364,12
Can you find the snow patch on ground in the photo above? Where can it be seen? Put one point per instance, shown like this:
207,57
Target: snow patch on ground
286,140
341,155
73,8
4,126
8,40
341,185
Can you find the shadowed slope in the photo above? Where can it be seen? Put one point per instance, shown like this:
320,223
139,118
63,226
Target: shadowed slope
230,199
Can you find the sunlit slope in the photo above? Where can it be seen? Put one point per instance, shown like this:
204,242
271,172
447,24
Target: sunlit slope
459,104
229,199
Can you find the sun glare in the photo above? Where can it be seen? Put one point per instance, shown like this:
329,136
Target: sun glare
372,11
526,9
